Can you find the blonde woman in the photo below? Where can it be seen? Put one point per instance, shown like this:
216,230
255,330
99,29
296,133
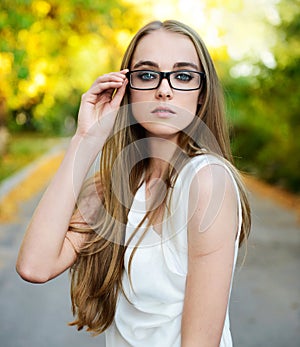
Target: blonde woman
152,236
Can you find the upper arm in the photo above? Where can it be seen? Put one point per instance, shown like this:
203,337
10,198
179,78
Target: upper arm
212,230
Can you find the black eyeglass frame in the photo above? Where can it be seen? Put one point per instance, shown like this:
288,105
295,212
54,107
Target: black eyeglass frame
163,75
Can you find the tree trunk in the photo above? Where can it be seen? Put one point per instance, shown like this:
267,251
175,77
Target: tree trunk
4,134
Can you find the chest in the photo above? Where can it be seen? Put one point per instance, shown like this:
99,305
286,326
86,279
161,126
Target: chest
155,262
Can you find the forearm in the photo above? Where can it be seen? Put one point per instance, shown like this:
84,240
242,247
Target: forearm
44,238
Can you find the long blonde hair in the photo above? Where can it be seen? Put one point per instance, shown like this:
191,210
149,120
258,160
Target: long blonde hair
96,277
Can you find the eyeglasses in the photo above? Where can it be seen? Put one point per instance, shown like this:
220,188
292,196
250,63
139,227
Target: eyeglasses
178,80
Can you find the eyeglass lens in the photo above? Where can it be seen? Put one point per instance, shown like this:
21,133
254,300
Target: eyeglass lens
183,80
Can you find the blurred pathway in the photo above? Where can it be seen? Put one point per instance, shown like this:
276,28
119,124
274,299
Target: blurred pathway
265,305
32,315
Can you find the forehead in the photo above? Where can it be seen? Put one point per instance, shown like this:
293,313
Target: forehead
166,49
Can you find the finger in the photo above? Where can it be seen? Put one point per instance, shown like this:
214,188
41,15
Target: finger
116,101
96,91
113,76
110,78
124,71
105,83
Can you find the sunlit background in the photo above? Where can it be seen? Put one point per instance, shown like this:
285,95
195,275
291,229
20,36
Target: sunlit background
232,29
51,51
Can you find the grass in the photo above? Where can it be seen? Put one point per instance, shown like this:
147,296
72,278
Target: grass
23,149
28,187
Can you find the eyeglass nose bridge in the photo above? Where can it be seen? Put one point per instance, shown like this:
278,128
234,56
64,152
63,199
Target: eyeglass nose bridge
164,75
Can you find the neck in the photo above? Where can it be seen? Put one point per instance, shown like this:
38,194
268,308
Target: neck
161,153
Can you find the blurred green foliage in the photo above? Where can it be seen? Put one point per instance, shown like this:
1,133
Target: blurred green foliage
266,109
51,51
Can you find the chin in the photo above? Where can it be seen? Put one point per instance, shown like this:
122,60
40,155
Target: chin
164,131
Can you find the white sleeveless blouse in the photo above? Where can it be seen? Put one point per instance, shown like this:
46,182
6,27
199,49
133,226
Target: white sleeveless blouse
152,316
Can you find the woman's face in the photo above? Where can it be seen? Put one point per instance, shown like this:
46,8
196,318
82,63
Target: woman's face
164,112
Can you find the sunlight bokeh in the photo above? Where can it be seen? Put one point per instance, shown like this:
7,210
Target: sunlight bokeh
232,29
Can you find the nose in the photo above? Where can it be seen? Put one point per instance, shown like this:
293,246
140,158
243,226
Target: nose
164,90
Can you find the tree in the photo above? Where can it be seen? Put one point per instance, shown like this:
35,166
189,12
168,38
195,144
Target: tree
266,120
50,52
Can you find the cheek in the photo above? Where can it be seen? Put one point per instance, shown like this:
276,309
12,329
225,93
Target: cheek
191,103
136,96
141,111
185,119
138,110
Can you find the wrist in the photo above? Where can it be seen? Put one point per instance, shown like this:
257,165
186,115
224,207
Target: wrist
91,143
84,149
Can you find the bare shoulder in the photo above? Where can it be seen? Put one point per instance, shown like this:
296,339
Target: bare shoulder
213,208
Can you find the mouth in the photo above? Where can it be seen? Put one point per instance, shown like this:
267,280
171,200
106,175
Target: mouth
163,111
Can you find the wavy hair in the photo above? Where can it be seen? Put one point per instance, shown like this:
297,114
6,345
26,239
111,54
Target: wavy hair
96,277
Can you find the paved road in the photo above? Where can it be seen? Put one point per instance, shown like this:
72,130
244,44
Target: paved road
265,306
34,315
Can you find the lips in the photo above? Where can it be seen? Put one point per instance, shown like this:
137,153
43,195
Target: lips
161,110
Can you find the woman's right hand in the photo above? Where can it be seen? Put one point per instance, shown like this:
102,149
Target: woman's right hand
99,107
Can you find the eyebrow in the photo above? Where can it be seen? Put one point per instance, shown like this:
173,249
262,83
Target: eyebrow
185,64
176,65
145,63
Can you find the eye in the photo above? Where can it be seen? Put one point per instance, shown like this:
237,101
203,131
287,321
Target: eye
183,76
147,75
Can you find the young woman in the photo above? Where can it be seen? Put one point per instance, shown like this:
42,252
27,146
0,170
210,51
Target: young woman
152,237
